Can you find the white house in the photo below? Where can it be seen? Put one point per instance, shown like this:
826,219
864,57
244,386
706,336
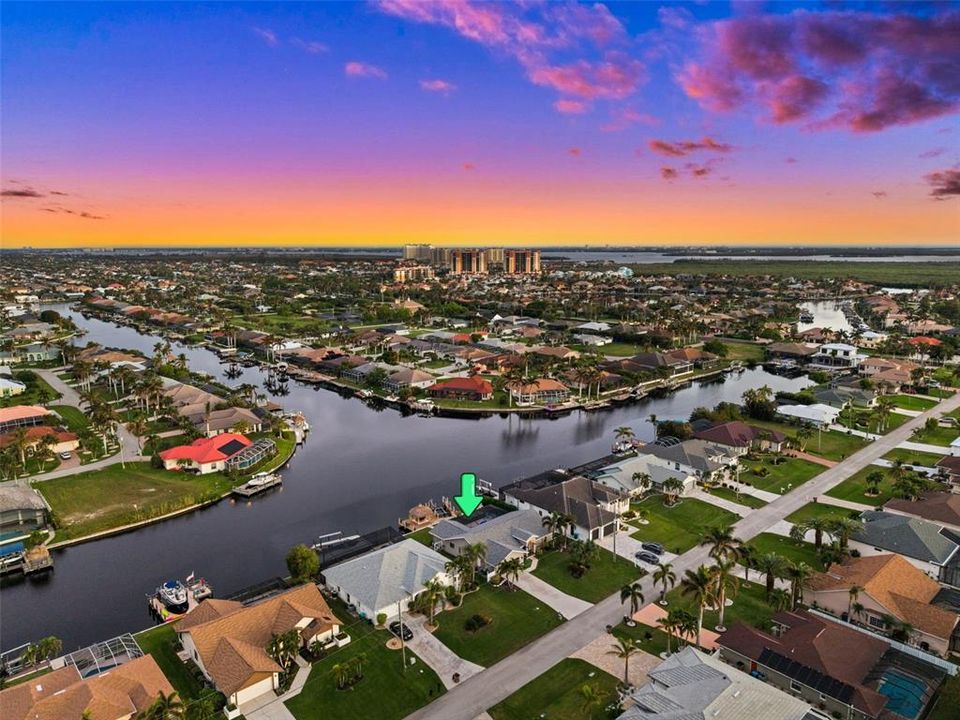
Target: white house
836,355
818,414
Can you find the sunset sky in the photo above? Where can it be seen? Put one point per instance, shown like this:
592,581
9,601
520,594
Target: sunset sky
480,123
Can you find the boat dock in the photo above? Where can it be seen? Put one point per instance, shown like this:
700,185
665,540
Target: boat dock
257,485
17,558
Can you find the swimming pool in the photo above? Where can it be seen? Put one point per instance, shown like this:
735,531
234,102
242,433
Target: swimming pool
906,693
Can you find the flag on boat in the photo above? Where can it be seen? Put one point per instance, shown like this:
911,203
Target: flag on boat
190,577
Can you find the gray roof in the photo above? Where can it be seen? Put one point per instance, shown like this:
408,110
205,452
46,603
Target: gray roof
906,536
690,685
16,497
502,535
620,474
577,496
699,454
384,576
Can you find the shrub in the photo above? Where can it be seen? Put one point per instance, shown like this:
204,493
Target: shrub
381,619
476,622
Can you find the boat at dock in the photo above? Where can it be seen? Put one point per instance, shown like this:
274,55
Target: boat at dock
15,557
257,484
173,596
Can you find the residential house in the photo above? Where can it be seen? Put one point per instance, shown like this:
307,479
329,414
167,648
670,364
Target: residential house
22,416
949,466
705,460
925,544
741,438
387,580
886,586
409,378
832,666
624,475
817,414
208,454
515,534
10,387
837,355
59,440
473,388
120,693
229,419
791,351
595,507
228,641
699,357
22,510
662,362
942,508
691,685
538,392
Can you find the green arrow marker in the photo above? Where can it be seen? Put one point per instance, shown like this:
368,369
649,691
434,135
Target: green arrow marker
468,500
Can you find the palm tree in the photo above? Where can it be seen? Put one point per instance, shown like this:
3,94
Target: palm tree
459,566
819,525
642,480
664,576
853,594
20,443
283,648
551,523
779,599
723,545
634,595
873,481
842,528
699,585
625,648
165,707
672,487
432,594
476,554
773,566
592,698
803,436
858,609
510,568
724,581
799,574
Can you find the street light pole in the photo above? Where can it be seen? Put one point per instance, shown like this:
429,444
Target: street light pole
403,645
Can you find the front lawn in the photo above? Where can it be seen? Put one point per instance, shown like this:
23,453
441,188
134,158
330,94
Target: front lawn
744,351
607,574
37,391
73,418
937,436
913,402
103,499
557,694
819,510
161,643
749,501
655,644
854,488
516,619
680,527
781,477
749,606
795,552
387,691
914,457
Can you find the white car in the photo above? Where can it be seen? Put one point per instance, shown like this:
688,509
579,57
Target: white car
65,455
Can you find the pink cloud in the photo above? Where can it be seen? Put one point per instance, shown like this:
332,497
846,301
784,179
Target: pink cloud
685,147
355,68
267,35
438,86
855,70
944,184
566,106
532,34
668,173
932,153
574,152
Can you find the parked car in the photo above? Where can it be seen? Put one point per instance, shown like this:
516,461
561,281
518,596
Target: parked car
65,455
407,632
647,557
655,548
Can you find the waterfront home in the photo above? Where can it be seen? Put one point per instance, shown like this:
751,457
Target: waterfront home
10,387
700,358
692,684
217,422
59,440
594,506
703,459
818,414
741,438
837,355
558,352
538,392
207,454
228,641
830,665
19,416
387,580
513,534
360,373
924,544
841,396
120,693
625,475
791,351
409,378
942,508
886,586
22,510
473,388
661,362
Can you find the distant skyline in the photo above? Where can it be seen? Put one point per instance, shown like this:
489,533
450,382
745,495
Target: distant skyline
480,123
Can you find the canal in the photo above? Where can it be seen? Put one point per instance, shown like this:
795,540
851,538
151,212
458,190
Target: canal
360,470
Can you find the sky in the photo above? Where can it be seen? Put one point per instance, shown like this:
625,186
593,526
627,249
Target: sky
479,123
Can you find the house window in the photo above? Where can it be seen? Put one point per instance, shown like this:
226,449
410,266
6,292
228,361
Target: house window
876,622
795,686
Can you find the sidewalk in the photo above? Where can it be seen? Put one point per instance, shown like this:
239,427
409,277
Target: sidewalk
735,508
924,447
851,431
849,504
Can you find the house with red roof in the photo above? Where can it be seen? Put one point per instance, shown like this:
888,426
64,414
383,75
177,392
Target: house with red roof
205,455
463,388
19,416
742,437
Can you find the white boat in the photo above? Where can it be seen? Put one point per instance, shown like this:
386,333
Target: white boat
173,595
262,478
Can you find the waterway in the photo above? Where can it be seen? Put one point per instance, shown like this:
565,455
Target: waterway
826,314
360,470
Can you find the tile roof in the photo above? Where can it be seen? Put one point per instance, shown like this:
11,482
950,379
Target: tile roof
936,506
906,536
737,434
207,450
22,412
905,591
577,496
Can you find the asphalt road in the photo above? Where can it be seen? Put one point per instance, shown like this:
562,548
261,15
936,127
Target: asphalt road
484,690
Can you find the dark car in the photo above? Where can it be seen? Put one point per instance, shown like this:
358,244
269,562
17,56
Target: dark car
655,548
647,557
395,629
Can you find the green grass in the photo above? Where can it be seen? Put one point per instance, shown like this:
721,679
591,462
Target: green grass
727,494
557,694
947,700
749,606
854,487
656,644
818,510
680,527
100,500
619,349
607,574
795,552
913,402
942,436
743,351
73,417
28,676
387,690
422,536
516,619
832,444
914,457
37,392
781,477
161,643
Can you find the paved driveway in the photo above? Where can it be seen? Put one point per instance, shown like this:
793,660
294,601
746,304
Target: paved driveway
566,605
436,655
499,681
